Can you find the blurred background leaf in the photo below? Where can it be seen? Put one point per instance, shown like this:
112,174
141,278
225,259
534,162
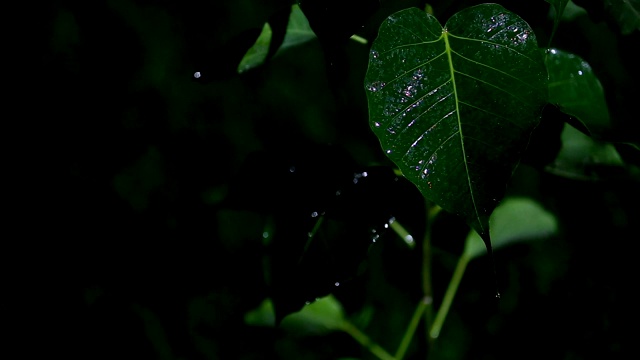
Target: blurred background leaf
577,91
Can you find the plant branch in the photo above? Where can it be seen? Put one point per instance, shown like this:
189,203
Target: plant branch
402,232
365,341
427,290
411,329
448,297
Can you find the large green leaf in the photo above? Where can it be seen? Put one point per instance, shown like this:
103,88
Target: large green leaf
454,107
577,91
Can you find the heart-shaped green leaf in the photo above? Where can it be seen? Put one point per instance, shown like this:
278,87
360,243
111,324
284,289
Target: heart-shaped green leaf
454,107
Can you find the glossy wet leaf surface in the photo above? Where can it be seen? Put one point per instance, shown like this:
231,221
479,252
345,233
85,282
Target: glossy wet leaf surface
574,87
454,107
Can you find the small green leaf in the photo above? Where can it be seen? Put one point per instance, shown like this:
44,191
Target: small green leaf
263,315
454,107
298,29
577,91
558,6
583,158
257,54
322,316
572,11
298,32
515,219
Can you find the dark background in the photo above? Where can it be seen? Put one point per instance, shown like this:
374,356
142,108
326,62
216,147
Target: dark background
153,191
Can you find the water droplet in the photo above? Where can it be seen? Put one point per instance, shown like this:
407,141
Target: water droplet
417,75
292,169
409,239
430,185
197,75
376,124
310,234
388,151
375,86
579,72
337,283
497,295
307,302
386,226
364,174
554,51
314,214
265,234
338,193
375,54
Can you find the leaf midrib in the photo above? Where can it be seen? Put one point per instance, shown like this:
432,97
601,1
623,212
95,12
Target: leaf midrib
449,52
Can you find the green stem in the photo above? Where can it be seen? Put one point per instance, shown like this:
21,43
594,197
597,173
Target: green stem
359,39
427,290
366,342
402,232
310,237
448,297
411,329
